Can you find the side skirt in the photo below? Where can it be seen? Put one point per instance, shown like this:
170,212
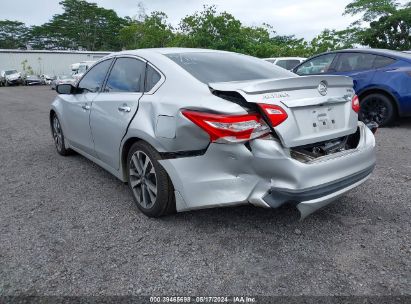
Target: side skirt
114,172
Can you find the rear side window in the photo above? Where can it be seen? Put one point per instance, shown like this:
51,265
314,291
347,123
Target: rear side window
152,77
382,61
220,67
93,80
317,65
348,62
126,75
287,64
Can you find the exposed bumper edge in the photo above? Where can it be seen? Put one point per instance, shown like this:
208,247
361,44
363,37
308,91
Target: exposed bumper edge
277,197
310,206
309,200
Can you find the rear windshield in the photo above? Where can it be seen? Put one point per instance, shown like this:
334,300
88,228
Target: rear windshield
220,67
11,72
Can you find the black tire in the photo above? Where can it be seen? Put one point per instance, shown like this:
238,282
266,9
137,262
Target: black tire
58,136
377,108
164,201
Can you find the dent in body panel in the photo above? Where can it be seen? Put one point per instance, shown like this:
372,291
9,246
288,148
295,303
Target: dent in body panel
232,174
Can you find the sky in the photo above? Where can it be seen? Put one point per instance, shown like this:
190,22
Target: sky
302,18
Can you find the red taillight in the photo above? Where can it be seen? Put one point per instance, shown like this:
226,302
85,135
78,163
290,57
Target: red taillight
229,128
275,113
355,104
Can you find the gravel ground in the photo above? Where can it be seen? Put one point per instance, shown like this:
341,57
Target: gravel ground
67,227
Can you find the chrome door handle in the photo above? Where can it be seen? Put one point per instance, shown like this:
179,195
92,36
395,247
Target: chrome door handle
124,108
86,107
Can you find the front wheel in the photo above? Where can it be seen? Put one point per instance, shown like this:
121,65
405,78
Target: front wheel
58,136
152,189
377,108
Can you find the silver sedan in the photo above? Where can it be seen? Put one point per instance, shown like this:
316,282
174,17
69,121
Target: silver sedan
193,128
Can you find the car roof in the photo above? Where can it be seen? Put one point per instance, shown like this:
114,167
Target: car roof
384,52
170,50
285,58
155,54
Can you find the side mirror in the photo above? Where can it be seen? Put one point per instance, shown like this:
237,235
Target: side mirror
65,88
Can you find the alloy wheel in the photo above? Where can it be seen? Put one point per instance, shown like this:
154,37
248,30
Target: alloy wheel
374,110
143,179
57,134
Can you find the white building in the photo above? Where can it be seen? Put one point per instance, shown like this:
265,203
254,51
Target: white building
45,62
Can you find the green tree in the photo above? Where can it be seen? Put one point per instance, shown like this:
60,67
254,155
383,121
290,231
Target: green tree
82,25
371,9
13,34
389,32
329,40
389,23
222,31
207,29
152,31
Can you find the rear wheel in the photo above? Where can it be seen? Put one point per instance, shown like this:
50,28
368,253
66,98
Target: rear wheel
149,183
377,108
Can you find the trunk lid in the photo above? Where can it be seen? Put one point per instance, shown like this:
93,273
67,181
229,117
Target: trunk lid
318,107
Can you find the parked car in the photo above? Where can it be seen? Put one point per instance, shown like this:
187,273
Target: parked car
62,79
33,80
193,128
382,80
287,63
80,68
10,77
46,79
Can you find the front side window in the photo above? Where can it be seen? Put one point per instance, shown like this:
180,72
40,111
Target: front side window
210,67
348,62
126,76
93,80
317,65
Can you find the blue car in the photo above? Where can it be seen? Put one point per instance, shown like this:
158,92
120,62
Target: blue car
382,80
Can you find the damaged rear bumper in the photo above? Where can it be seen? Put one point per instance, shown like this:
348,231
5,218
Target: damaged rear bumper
312,199
264,174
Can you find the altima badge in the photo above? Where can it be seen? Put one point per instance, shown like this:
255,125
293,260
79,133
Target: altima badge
322,88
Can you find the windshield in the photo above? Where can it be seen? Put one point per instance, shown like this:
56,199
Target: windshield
221,67
11,72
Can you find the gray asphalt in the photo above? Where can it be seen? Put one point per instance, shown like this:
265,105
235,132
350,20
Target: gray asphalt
67,227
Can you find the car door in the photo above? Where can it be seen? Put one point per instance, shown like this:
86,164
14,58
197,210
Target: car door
358,66
114,108
77,107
